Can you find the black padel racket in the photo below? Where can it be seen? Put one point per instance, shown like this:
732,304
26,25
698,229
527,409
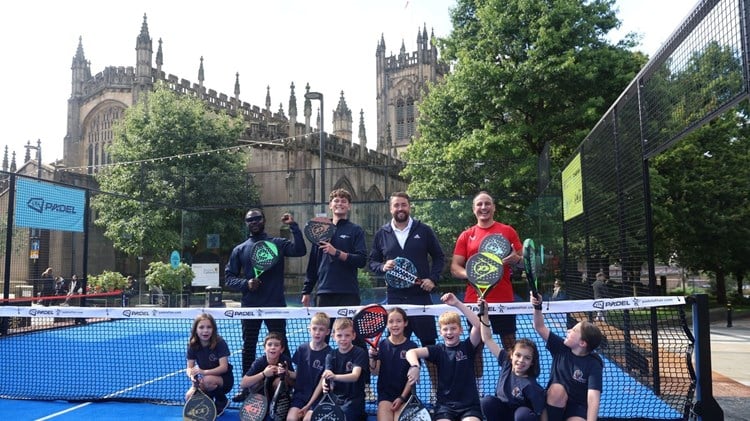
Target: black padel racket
414,410
281,400
530,265
369,323
328,410
199,407
484,270
254,408
263,255
403,275
319,229
497,244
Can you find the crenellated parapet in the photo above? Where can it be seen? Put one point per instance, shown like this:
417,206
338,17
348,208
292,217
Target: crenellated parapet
110,78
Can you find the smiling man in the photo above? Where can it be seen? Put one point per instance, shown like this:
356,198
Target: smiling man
467,245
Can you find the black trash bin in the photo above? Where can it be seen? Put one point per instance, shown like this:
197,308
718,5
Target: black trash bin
214,297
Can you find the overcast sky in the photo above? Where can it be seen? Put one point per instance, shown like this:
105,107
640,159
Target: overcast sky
329,44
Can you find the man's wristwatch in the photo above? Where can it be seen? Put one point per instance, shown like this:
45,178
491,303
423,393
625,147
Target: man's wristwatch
337,254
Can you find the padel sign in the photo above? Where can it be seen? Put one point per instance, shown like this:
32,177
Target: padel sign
572,189
48,206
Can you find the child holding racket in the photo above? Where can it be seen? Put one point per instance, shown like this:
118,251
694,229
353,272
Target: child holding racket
208,362
518,396
344,370
390,359
309,361
575,385
269,366
457,394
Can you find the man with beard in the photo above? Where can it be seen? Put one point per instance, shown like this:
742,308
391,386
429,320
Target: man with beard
265,291
406,237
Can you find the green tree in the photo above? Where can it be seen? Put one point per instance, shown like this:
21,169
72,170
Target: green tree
525,72
702,210
702,184
165,190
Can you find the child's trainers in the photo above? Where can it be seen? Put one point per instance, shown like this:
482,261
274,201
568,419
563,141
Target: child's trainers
221,403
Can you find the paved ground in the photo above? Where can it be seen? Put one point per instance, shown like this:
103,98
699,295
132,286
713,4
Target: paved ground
730,362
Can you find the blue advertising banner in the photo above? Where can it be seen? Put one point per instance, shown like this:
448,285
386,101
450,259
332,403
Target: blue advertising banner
48,206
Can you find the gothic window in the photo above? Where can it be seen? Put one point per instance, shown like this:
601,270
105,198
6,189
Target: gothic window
400,119
410,121
99,134
90,158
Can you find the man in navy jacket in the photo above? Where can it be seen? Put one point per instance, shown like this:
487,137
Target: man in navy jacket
416,241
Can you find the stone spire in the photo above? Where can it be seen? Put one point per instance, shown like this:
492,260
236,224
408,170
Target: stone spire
143,56
268,100
201,74
308,110
342,120
159,58
361,134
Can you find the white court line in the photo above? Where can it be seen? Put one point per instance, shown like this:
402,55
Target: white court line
111,395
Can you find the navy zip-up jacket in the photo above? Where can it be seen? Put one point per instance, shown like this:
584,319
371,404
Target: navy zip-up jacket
332,275
420,247
271,290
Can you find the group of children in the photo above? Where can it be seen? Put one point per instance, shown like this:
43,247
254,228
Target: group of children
573,392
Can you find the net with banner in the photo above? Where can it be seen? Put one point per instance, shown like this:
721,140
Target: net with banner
138,353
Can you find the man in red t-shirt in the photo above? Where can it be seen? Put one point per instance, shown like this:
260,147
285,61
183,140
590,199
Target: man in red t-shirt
467,245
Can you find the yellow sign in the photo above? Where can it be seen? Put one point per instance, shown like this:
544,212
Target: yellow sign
572,189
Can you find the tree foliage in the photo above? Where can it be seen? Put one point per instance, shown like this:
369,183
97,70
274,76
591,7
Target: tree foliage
525,72
165,191
702,184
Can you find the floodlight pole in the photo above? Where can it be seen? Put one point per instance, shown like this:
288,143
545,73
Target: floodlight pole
319,96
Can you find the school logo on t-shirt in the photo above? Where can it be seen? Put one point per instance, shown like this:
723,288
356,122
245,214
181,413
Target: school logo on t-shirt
349,366
578,376
317,364
402,355
517,393
460,356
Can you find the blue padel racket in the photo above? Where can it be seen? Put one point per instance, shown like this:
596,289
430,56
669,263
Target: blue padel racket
199,407
319,229
369,323
263,255
328,410
403,275
530,265
414,410
497,244
484,271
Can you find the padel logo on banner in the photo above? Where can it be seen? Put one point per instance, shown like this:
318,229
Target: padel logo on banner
38,204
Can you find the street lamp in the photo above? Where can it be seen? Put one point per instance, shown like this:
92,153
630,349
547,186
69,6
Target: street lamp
319,96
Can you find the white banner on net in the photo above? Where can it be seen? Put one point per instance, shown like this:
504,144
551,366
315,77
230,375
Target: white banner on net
569,306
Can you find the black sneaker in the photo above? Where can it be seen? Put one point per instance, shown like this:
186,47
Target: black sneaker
221,403
240,397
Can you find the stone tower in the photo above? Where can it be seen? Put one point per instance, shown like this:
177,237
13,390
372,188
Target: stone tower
401,83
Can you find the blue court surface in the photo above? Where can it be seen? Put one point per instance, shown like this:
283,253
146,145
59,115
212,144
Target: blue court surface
158,362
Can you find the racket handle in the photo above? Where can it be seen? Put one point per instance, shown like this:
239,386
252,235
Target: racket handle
482,309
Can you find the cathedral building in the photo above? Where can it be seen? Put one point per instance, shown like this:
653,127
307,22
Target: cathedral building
402,81
280,142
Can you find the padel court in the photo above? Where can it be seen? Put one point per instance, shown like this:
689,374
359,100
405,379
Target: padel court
134,368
